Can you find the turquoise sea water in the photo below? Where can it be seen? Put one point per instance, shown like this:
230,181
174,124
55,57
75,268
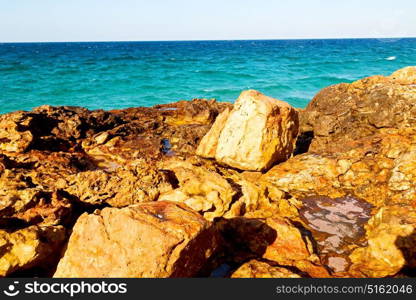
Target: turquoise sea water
123,74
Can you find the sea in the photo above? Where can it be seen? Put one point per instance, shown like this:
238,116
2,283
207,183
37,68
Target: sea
112,75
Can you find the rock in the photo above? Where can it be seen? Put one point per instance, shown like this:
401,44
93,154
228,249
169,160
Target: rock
258,132
275,239
259,269
337,225
403,175
203,190
30,187
379,172
364,172
244,238
209,143
405,76
343,113
293,246
152,134
342,204
34,246
391,244
197,111
53,157
290,243
122,187
215,191
158,239
13,134
51,128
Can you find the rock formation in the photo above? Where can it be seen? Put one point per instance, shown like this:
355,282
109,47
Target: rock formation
34,246
182,189
159,239
258,269
258,132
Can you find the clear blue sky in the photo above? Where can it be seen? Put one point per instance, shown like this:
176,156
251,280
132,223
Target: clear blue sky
113,20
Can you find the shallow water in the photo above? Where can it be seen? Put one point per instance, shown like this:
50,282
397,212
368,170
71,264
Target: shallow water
124,74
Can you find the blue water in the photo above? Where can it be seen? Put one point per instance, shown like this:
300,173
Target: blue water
124,74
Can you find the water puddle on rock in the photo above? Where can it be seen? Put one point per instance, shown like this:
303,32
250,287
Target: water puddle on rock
166,147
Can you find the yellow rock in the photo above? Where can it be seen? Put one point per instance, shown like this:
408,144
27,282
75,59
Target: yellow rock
30,247
258,269
405,76
156,239
201,189
209,143
391,244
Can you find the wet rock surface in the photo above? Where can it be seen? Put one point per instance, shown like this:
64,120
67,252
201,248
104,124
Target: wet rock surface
337,225
158,239
144,192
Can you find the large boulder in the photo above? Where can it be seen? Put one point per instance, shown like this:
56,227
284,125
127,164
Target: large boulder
209,143
258,132
158,239
341,114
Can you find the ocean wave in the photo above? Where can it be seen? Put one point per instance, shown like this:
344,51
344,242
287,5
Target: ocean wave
66,71
390,58
122,57
325,78
223,73
324,63
281,87
16,67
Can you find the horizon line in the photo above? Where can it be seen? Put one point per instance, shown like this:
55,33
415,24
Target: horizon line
213,40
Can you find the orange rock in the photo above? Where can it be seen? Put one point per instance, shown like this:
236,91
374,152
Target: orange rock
258,269
209,143
257,133
158,239
391,244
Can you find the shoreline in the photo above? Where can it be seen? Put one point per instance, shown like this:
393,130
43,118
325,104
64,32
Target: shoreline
195,188
223,40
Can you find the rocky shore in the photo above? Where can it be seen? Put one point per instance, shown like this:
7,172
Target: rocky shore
201,188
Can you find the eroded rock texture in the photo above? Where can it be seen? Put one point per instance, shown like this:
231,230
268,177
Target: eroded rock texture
34,246
57,162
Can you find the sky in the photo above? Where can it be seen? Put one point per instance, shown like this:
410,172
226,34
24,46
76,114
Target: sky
147,20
